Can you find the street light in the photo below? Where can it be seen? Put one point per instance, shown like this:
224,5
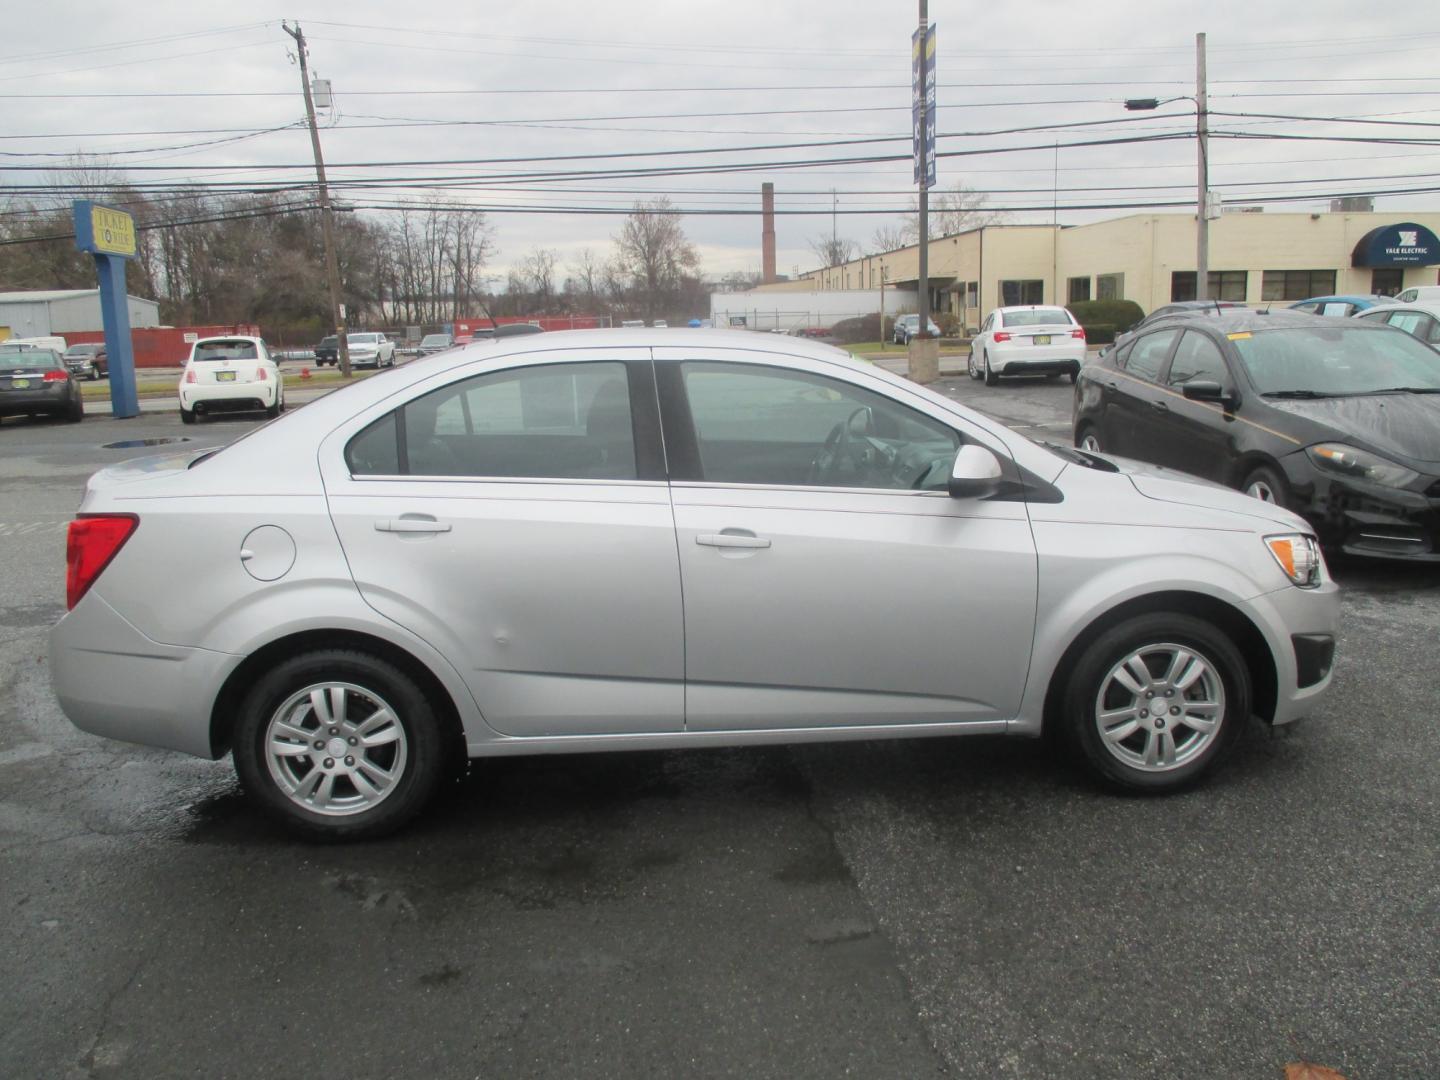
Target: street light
1202,165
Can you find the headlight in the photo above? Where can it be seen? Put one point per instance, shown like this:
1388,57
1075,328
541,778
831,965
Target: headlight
1299,556
1360,465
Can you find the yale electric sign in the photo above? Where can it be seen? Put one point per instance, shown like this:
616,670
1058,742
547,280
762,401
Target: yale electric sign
105,231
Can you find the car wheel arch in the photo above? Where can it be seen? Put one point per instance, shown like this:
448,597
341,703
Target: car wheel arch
225,711
1241,630
1247,462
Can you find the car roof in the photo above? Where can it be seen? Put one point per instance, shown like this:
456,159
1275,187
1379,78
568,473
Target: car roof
1347,297
1429,307
1239,319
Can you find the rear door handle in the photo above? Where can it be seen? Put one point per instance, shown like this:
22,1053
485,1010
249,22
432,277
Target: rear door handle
412,525
731,540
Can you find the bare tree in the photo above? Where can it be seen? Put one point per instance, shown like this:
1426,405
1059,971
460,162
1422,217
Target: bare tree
832,250
888,238
653,254
537,273
952,212
587,278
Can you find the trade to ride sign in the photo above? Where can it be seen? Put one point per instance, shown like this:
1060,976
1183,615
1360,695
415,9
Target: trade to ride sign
922,89
103,230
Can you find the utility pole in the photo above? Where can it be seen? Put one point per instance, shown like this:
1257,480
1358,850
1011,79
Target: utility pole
1202,177
923,329
327,225
834,226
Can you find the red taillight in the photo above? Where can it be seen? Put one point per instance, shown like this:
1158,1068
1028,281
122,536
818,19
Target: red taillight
94,540
1079,332
55,376
190,375
1000,335
261,375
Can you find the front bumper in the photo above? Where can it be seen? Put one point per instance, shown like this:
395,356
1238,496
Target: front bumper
1368,519
1301,626
114,681
81,368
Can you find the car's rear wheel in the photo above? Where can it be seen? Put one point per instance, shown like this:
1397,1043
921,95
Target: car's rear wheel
1266,485
1154,702
187,416
75,412
339,744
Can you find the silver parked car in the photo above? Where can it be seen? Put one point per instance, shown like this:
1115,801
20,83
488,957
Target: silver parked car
611,540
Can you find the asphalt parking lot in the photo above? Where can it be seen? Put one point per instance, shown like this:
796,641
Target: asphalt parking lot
961,908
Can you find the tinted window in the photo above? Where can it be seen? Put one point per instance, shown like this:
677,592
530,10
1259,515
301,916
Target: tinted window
29,359
375,452
762,425
557,421
1197,357
225,350
1148,354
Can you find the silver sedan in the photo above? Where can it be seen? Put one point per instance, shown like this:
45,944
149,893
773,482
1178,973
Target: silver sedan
613,540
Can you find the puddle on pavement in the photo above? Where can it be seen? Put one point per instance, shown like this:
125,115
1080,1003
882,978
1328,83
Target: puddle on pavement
131,444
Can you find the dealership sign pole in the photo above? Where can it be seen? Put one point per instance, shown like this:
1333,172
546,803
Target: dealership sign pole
109,235
922,118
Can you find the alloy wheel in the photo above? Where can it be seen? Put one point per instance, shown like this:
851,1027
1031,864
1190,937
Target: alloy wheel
1160,707
336,748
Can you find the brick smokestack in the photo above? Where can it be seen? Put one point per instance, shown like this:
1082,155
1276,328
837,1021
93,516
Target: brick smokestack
767,233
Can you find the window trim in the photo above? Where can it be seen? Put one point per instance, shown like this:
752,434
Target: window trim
1163,372
1226,382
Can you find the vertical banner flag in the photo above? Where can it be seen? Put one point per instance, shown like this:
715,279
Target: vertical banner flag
922,81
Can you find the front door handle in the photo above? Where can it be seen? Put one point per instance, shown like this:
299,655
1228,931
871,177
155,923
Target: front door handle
415,524
1159,406
732,540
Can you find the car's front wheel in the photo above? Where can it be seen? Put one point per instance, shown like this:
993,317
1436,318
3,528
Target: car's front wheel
339,744
991,379
1088,441
1266,485
1155,701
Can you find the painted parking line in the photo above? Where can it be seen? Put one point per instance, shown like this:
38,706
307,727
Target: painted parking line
33,528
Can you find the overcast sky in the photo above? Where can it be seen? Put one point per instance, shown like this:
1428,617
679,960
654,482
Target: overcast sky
441,82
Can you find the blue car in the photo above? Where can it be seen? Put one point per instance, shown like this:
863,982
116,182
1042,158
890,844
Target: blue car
1341,306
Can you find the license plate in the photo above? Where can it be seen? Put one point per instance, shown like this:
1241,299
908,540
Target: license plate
1042,339
20,384
224,376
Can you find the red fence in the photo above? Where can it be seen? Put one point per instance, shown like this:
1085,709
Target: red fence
163,346
464,327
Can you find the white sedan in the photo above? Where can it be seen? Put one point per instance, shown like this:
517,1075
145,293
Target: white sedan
1029,340
230,374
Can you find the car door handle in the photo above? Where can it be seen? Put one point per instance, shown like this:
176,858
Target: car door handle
412,525
731,540
1159,406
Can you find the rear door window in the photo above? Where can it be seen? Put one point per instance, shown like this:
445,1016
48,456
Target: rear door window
1147,355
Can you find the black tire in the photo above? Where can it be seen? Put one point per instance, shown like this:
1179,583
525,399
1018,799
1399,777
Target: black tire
187,416
991,379
1074,377
970,368
1149,636
76,410
1269,482
1085,431
427,756
274,410
93,376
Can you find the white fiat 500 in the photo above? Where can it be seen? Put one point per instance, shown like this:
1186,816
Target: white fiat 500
1028,341
230,374
613,540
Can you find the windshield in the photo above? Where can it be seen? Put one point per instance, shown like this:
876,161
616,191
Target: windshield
1039,317
28,359
225,350
1336,360
83,350
436,339
329,342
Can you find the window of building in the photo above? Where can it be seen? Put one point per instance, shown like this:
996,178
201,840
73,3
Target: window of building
1077,288
1224,285
1296,284
972,294
761,425
1110,287
1387,280
1016,291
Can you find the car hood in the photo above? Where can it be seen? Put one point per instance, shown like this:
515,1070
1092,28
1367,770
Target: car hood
1168,485
1397,425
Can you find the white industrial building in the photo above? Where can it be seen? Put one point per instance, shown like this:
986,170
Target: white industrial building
801,305
62,311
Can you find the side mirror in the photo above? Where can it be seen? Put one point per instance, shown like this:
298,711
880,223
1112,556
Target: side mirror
1209,390
976,472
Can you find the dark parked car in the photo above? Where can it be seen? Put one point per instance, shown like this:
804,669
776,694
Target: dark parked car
35,382
1181,309
88,361
1338,420
328,351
